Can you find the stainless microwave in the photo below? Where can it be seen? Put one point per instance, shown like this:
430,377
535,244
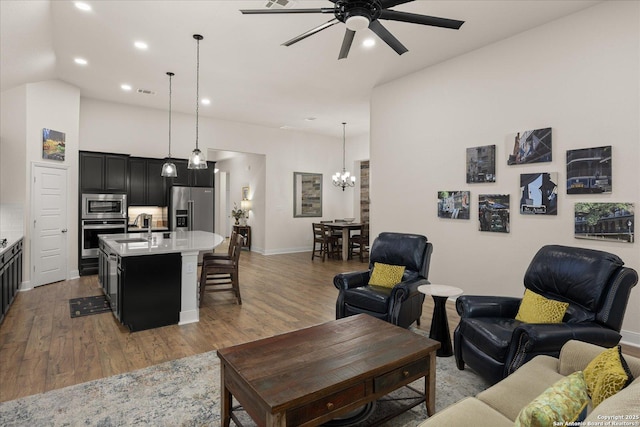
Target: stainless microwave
104,206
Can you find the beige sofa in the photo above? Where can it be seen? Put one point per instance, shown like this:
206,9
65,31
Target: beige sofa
500,404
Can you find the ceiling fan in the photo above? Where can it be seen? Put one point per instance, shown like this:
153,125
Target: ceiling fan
360,14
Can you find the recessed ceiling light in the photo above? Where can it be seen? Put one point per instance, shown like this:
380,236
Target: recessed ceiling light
125,87
141,45
83,6
309,119
205,101
80,61
369,42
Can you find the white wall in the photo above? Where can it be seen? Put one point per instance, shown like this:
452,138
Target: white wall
26,110
111,127
578,75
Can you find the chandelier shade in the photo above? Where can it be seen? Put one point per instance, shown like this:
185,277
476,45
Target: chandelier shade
168,168
197,159
343,179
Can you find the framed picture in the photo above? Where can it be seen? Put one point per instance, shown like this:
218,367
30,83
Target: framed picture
481,164
307,194
612,222
453,204
53,145
245,193
531,146
493,212
589,170
539,193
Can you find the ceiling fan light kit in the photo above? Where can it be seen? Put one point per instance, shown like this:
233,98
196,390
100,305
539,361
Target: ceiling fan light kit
360,14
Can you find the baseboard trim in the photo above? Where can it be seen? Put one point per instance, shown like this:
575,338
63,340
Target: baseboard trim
630,338
75,274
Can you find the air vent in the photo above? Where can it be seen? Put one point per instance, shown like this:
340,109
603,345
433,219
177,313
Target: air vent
146,92
278,4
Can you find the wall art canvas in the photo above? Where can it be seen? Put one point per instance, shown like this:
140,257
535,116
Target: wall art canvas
589,170
453,204
493,212
307,194
539,193
614,222
53,145
481,164
531,146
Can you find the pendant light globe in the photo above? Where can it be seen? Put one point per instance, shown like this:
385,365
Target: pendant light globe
197,159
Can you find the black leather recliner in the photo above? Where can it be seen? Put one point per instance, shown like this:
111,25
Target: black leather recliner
400,305
594,283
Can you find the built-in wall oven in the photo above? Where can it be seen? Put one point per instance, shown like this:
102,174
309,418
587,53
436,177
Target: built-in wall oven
101,214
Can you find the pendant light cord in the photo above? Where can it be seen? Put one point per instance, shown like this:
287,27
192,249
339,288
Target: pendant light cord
170,75
344,169
197,88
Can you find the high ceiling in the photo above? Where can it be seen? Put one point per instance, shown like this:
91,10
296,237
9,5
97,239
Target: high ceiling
244,70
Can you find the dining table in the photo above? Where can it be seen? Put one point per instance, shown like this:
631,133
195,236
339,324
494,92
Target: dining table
345,228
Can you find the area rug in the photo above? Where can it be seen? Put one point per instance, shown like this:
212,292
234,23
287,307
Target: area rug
186,392
86,306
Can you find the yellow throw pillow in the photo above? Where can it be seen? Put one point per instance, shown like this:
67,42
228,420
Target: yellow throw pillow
562,403
386,275
606,375
535,308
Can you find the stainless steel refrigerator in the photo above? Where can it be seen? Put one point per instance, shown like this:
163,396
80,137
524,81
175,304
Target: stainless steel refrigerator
192,209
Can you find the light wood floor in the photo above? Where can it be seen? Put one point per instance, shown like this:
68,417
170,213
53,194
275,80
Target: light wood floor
42,348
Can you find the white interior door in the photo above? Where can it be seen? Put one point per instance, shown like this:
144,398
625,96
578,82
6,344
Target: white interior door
49,228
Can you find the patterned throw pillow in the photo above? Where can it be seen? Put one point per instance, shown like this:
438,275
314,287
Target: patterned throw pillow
386,275
607,374
564,402
535,308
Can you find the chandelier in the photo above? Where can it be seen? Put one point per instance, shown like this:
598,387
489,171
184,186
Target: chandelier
343,179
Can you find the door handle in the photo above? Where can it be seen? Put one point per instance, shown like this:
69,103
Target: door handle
64,230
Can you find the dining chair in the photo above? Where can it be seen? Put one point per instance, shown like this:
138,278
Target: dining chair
359,243
218,275
227,255
324,243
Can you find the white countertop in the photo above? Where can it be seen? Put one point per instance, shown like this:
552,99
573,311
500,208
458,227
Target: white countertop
12,238
178,241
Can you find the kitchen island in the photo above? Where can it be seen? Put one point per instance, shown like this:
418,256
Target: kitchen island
151,280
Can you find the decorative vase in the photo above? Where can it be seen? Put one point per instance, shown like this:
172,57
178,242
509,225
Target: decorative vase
237,221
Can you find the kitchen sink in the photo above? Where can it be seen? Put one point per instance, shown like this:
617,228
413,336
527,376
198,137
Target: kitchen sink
132,240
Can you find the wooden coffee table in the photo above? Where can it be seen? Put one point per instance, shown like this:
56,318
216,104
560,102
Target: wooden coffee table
310,376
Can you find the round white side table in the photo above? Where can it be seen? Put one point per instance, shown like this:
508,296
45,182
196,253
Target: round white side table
439,324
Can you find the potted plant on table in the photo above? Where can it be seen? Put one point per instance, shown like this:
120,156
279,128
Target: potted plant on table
238,213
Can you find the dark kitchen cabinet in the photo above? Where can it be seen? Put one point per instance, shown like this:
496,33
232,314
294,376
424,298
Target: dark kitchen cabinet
10,276
103,172
193,177
147,187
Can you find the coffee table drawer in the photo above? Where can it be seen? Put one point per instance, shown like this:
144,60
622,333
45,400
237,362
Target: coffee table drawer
391,380
298,416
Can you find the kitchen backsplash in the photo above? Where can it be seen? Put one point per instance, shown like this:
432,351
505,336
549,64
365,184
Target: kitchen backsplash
160,218
11,220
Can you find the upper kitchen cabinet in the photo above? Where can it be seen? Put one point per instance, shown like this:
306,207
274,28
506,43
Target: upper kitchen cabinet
193,177
103,173
147,186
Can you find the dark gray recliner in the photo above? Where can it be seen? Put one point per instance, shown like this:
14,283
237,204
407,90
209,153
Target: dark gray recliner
400,305
595,284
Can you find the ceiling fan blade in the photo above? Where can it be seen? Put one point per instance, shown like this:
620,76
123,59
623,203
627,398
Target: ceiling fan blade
277,11
311,32
414,18
346,43
386,4
387,37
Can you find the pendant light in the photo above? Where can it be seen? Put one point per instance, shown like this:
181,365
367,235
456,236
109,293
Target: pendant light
197,159
343,179
169,169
